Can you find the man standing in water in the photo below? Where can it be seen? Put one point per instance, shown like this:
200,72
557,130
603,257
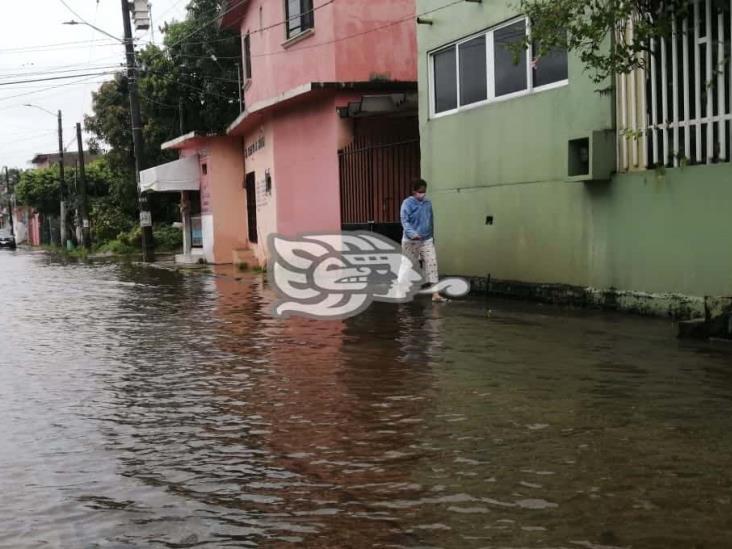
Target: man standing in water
417,242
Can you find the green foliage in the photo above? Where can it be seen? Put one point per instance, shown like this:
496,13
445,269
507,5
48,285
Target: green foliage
596,30
107,220
117,247
167,238
40,189
132,238
195,76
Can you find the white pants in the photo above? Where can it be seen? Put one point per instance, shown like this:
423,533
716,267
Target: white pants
416,251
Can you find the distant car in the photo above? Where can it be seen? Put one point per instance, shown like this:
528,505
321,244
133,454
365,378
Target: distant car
7,240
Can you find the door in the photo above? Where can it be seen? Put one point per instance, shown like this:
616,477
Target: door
251,188
374,179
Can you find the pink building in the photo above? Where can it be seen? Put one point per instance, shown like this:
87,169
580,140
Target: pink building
306,62
328,133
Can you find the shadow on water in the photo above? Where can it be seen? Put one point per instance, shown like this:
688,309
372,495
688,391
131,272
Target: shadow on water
152,408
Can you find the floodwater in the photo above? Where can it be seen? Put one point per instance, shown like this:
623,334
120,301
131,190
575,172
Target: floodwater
147,408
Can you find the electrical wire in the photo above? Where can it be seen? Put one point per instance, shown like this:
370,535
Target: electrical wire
55,78
75,13
78,43
365,32
60,71
43,90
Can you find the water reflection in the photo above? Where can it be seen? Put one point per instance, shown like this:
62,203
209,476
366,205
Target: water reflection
150,408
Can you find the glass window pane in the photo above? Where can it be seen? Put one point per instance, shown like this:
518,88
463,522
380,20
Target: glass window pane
550,67
473,87
293,17
510,68
445,80
308,16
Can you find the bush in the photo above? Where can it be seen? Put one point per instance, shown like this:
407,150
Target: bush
108,221
131,238
116,247
168,238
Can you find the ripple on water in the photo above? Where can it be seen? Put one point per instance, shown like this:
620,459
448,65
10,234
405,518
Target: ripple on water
148,408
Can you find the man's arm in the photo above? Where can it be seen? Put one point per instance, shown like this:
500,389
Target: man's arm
406,223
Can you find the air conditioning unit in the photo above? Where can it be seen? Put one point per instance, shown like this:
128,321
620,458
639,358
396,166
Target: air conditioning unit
141,14
592,157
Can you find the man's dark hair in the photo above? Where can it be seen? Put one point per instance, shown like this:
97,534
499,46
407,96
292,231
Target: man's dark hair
418,184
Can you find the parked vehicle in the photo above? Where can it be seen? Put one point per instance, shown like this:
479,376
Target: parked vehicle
7,240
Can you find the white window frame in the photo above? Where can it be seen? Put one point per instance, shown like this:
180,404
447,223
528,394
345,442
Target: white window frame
490,71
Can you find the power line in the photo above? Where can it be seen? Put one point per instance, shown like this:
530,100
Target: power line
79,43
60,71
47,50
73,12
42,90
362,33
170,8
55,78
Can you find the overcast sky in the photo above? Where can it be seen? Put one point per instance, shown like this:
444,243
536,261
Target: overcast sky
35,44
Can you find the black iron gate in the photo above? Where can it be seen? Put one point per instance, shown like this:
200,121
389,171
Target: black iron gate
375,178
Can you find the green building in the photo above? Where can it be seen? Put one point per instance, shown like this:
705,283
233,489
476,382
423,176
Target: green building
545,186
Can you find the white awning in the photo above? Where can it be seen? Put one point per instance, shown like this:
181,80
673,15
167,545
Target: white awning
176,176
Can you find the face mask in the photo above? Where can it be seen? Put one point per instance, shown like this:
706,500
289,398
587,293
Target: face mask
420,196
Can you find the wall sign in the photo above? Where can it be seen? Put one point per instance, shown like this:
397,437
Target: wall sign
254,147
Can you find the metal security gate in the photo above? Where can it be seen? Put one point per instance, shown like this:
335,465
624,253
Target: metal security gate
375,178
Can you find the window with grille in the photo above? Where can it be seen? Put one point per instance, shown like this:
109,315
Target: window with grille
689,89
300,16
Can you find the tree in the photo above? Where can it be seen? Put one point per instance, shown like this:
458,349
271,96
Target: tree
39,189
189,84
597,30
194,77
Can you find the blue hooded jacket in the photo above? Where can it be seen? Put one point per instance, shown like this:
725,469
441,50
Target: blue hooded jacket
416,216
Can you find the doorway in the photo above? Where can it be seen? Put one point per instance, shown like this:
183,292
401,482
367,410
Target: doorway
251,189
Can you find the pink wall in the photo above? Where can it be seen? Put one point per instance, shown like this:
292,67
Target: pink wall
228,199
332,53
389,49
276,69
34,229
306,163
222,193
259,161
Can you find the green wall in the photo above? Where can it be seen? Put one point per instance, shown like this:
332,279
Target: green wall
642,232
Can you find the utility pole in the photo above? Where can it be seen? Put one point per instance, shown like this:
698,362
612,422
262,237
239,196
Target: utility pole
10,201
62,181
137,140
86,240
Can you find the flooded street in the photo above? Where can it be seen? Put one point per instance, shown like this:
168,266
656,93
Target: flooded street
148,408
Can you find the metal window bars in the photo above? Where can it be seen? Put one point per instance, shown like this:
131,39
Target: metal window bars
678,109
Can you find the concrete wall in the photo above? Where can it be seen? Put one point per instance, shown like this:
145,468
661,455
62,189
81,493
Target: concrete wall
223,199
332,52
228,198
259,161
640,233
306,163
375,39
276,68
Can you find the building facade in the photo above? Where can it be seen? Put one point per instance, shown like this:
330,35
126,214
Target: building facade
545,186
329,108
318,74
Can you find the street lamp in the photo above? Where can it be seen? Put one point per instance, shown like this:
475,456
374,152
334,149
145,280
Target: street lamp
74,22
62,182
